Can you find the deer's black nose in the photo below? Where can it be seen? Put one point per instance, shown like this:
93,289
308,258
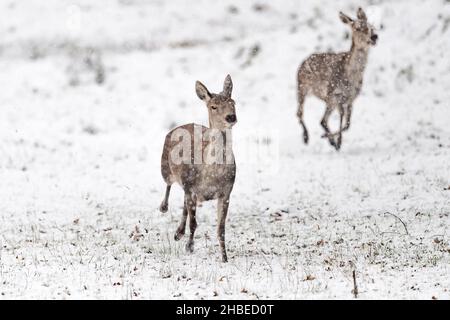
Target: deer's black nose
230,118
374,37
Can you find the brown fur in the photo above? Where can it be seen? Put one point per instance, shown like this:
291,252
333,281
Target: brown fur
336,78
203,182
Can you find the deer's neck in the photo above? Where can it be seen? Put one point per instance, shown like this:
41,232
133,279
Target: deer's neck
225,133
357,60
220,140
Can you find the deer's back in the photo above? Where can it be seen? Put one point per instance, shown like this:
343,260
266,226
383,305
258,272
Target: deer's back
206,181
320,72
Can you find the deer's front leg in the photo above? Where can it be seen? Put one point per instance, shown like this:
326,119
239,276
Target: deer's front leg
222,210
191,208
324,124
348,115
341,121
182,227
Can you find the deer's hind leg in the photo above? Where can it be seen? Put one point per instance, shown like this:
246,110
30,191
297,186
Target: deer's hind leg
302,92
191,208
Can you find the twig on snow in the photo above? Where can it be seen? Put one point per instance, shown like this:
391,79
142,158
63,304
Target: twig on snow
404,224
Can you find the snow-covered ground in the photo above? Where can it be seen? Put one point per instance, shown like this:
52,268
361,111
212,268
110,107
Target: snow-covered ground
89,89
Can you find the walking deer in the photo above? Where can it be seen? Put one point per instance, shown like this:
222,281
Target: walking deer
202,172
336,78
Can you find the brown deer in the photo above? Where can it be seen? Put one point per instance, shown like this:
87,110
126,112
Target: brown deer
201,178
336,78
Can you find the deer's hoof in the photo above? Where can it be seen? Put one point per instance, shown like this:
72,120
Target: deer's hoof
330,138
305,138
190,246
178,235
224,255
332,142
163,207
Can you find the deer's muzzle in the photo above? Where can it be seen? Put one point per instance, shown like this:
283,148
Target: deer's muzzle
231,118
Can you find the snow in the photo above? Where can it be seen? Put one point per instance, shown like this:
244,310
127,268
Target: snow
80,163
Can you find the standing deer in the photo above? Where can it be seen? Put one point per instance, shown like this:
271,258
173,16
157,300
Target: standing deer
336,78
201,179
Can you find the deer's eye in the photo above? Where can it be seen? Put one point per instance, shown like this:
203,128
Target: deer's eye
213,107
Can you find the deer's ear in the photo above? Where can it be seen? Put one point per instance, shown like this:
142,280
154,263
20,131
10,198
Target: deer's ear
202,92
345,19
227,86
361,14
